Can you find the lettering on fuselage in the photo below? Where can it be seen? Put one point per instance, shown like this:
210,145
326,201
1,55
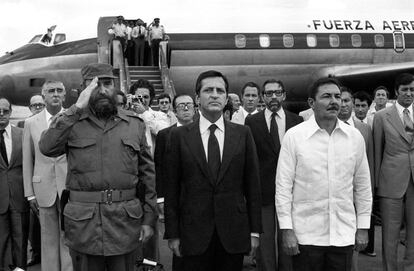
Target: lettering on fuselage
361,25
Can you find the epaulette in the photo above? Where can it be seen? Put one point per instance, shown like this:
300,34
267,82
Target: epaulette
133,114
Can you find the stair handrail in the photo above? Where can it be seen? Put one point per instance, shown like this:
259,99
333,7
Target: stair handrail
166,80
118,62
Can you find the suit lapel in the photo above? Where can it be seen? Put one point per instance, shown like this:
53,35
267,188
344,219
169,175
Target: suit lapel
196,146
396,122
231,143
16,141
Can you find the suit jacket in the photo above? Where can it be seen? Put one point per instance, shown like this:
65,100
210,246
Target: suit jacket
196,204
366,132
44,177
393,153
161,143
267,152
11,179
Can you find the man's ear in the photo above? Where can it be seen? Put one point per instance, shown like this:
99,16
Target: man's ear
311,102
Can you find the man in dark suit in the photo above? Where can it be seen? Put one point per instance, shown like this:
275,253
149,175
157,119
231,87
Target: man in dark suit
183,106
345,114
268,139
212,197
394,169
14,208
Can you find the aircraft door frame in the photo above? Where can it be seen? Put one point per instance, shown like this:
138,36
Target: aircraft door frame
399,41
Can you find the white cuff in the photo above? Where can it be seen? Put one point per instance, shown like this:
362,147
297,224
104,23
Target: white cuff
29,198
160,200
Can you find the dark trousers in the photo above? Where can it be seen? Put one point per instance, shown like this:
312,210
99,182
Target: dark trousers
155,45
270,255
34,234
215,258
86,262
130,52
392,212
14,228
320,258
139,51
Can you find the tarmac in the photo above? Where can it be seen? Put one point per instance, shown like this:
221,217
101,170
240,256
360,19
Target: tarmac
365,263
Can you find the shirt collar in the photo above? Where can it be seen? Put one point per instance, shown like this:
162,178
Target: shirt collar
8,130
245,113
49,116
401,108
314,127
205,123
350,121
280,113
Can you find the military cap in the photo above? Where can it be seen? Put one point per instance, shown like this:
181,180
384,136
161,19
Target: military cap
100,70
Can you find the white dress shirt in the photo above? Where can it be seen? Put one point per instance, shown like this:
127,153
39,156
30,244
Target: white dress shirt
280,120
8,141
205,133
240,115
400,110
155,121
49,117
323,186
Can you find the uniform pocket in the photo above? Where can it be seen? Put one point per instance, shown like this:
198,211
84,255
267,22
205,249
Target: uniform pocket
82,154
130,153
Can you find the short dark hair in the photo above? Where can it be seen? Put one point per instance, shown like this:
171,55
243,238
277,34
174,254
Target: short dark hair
273,81
229,107
346,89
209,74
178,96
252,85
163,96
384,88
403,79
143,83
4,98
313,90
363,97
121,93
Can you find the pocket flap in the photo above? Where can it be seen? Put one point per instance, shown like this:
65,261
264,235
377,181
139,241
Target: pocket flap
79,212
134,211
131,143
81,142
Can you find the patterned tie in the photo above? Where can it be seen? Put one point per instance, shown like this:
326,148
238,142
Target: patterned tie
213,152
3,147
408,123
274,131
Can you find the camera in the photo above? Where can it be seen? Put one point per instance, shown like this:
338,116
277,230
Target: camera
136,99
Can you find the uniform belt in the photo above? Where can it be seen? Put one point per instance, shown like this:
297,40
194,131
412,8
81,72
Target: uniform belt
105,196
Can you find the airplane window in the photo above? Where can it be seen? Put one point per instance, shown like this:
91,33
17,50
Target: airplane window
288,40
398,40
356,40
334,40
59,38
264,40
311,40
240,41
36,38
379,40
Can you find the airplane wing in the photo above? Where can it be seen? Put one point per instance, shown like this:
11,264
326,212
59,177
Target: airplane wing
368,77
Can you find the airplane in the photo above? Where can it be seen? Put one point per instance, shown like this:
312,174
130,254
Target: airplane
361,53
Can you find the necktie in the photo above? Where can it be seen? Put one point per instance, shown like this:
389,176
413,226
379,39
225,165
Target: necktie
3,147
408,123
213,152
139,31
274,131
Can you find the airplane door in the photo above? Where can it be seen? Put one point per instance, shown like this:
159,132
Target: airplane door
399,41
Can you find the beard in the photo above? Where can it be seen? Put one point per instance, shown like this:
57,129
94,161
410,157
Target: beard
102,105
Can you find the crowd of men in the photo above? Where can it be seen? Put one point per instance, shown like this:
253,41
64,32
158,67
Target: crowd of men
228,177
139,42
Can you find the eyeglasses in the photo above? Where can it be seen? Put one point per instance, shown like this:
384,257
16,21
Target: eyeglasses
37,105
183,106
4,111
270,93
53,90
164,102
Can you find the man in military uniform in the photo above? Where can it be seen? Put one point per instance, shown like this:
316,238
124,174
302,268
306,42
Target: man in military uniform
107,158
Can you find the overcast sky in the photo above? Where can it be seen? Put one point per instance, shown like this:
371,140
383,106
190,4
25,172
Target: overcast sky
22,19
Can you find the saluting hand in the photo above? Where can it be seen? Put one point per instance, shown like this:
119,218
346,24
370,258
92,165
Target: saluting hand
84,96
289,242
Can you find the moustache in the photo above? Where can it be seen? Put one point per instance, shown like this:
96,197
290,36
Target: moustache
333,107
